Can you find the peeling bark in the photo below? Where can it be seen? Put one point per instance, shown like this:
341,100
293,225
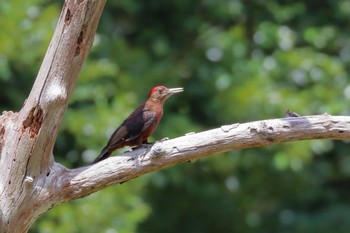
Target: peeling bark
32,123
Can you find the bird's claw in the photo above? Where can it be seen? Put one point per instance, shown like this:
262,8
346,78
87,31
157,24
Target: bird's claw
143,145
148,144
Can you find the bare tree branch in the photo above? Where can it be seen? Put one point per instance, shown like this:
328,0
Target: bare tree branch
79,182
31,182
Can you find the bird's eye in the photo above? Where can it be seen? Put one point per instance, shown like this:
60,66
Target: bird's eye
160,91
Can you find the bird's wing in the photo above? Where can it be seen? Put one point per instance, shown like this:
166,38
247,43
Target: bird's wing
132,127
118,136
140,123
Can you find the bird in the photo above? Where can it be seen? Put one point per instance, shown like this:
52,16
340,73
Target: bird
140,124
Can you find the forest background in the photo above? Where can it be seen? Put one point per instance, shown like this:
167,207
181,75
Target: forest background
238,61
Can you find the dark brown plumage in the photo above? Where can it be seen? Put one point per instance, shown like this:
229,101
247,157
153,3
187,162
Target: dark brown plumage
141,123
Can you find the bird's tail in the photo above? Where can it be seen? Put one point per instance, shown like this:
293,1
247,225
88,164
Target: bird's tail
105,153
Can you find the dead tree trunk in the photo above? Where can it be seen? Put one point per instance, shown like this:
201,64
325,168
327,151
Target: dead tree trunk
27,137
31,182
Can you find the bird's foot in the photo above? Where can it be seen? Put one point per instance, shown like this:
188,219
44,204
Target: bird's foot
147,144
143,145
134,148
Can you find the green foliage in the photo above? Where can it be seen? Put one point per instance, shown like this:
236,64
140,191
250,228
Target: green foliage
238,61
26,28
98,212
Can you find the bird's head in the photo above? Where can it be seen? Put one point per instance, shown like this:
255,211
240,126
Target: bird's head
162,93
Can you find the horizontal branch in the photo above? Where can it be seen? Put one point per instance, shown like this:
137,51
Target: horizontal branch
79,182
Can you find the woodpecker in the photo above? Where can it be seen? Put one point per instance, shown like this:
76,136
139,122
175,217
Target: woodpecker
140,124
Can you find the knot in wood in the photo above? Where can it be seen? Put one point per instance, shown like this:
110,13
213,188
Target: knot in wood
28,182
157,150
327,125
266,132
56,93
228,128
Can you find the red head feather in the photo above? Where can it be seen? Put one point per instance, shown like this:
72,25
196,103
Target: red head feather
154,89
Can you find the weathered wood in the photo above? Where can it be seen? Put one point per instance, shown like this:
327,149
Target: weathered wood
79,182
27,138
31,182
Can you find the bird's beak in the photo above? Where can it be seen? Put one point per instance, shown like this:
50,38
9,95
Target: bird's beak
174,91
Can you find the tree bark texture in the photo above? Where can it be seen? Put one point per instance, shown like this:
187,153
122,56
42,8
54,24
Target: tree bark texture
79,182
31,182
27,137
